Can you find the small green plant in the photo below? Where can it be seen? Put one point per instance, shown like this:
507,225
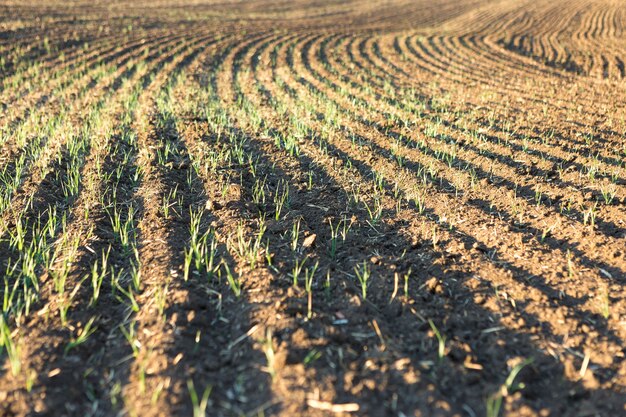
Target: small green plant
199,404
494,402
406,283
609,192
9,345
202,249
419,201
281,198
311,357
547,231
589,215
270,354
98,273
374,211
334,232
570,264
82,336
435,237
297,269
308,286
441,340
295,233
249,248
131,337
233,282
363,276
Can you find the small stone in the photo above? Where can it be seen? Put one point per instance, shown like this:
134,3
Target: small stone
434,286
309,240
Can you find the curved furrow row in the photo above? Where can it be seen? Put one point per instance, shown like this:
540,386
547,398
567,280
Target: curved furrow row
285,390
171,198
611,163
94,214
501,154
464,163
387,146
32,166
31,202
37,96
505,150
291,394
312,208
292,103
577,133
585,46
524,85
36,75
219,330
57,52
73,87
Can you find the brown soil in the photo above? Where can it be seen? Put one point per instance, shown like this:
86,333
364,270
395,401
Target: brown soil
467,156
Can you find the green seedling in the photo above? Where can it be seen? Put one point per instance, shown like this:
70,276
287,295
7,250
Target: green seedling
83,335
441,340
363,276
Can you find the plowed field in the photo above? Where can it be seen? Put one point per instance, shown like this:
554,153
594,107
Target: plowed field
313,208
